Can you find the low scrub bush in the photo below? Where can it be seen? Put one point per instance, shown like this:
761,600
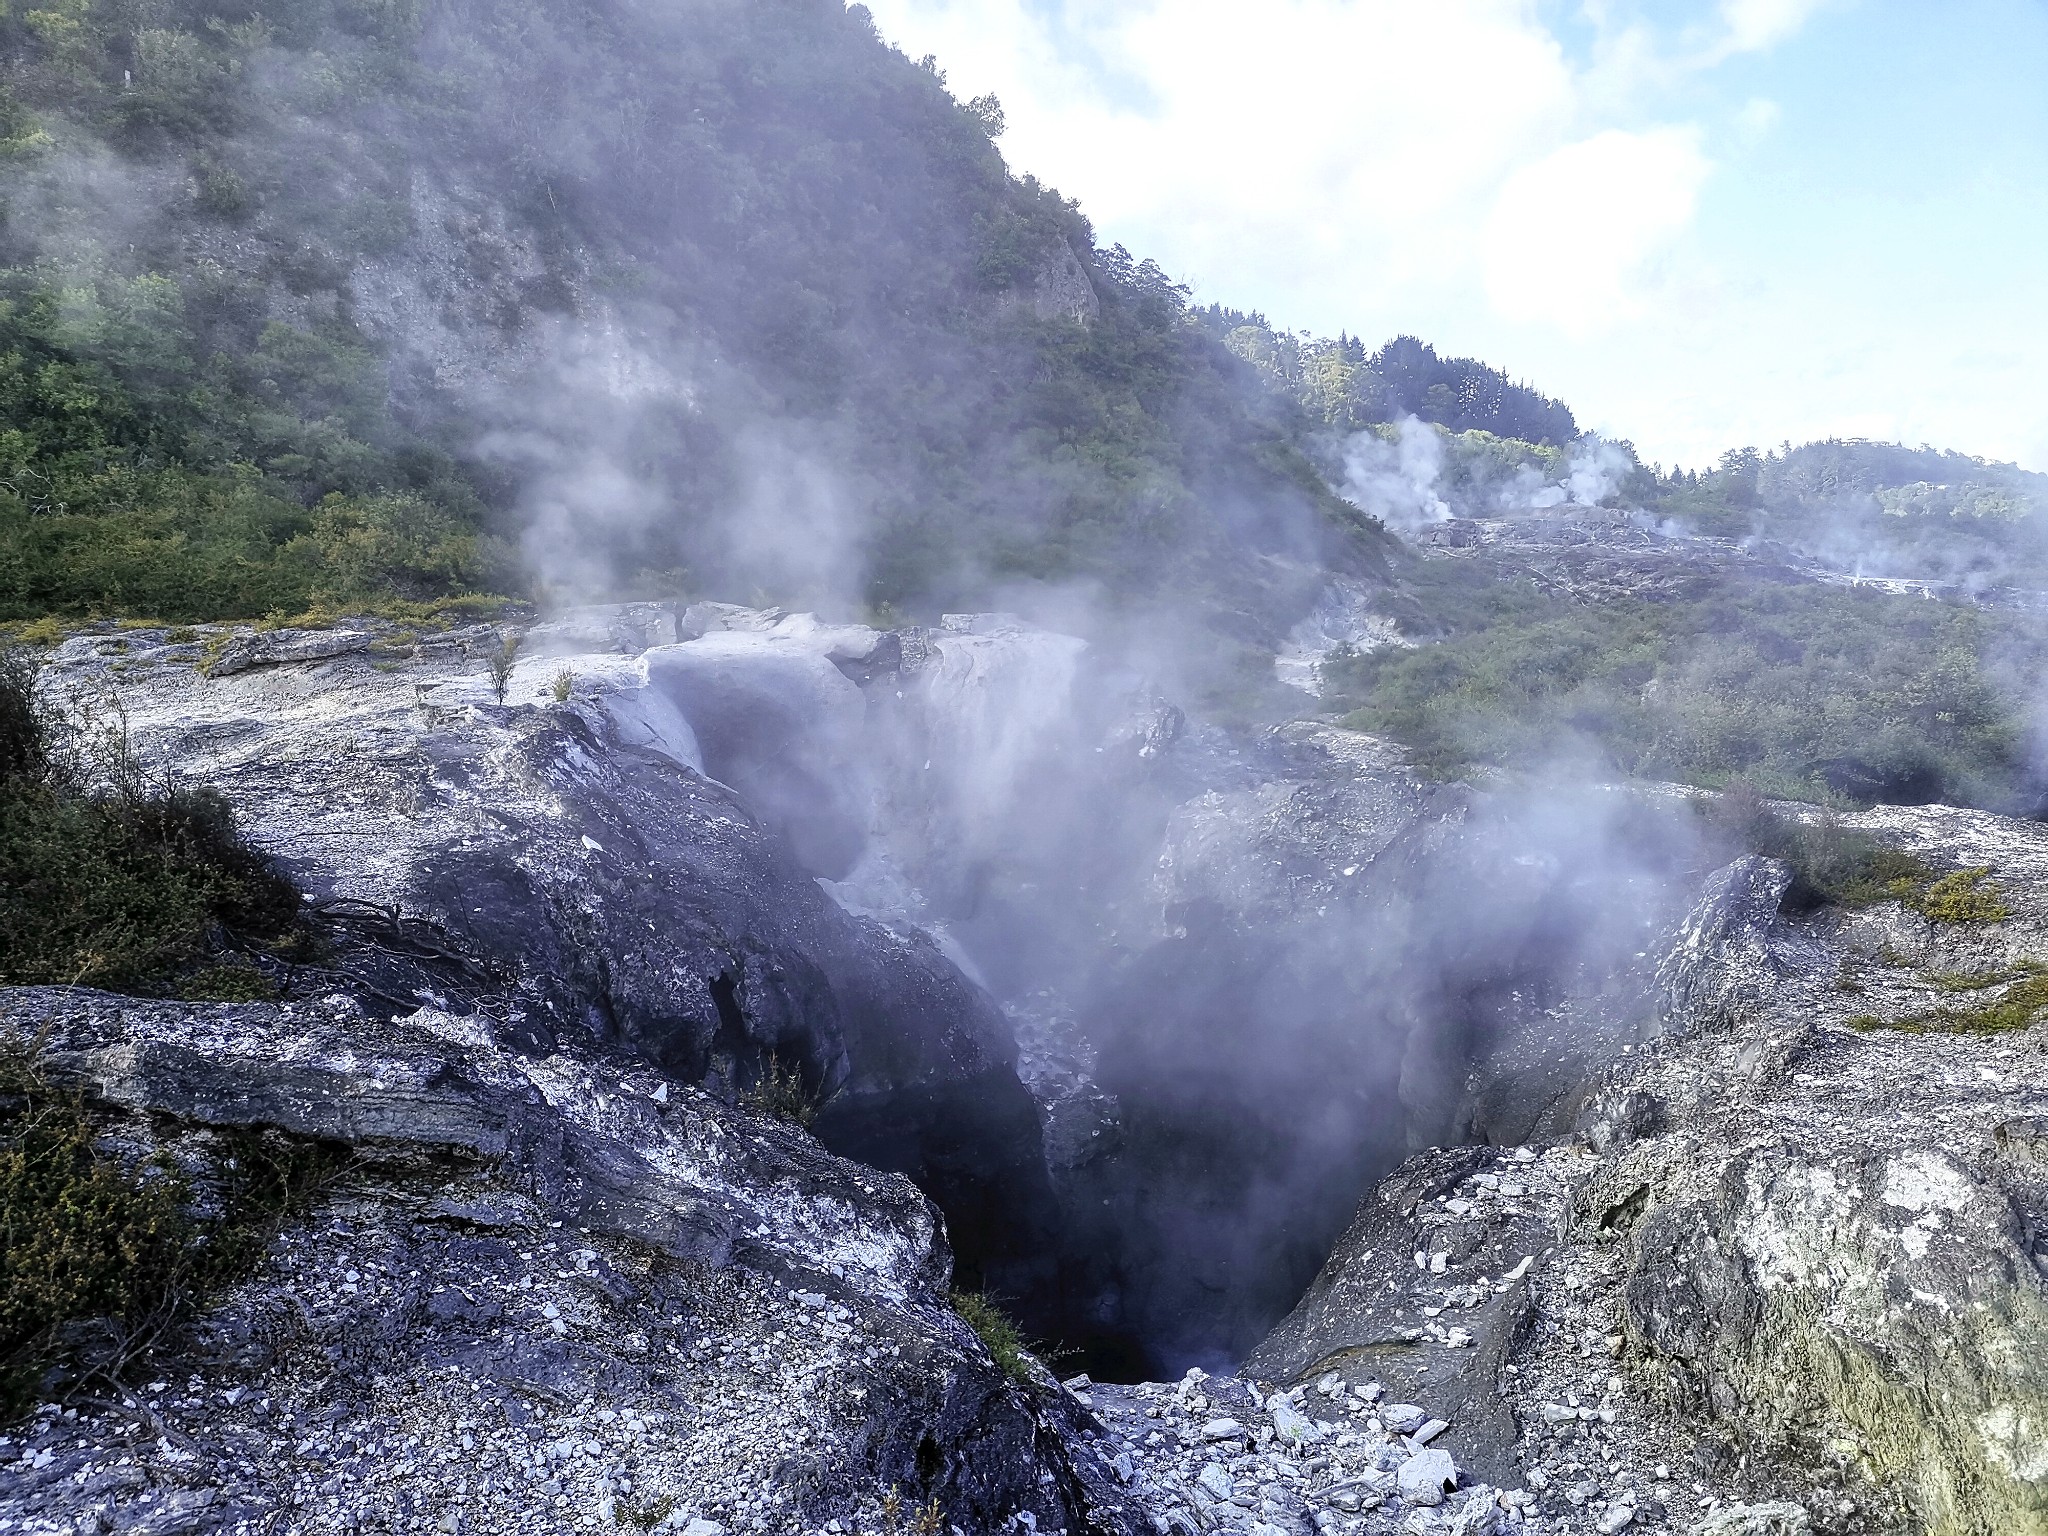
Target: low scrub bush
112,879
1832,865
99,1255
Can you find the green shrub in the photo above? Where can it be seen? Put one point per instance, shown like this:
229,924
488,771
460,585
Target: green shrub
1832,865
113,880
80,1237
2023,1001
501,660
100,1259
1001,1337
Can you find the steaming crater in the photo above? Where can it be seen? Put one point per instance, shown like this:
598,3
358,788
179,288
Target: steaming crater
1246,974
1143,1003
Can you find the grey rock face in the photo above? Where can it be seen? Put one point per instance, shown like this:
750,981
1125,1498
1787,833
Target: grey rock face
1384,1314
586,1143
267,648
1597,554
548,1292
1782,1226
565,866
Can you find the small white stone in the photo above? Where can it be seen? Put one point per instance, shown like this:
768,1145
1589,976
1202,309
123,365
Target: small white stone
1289,1422
1427,1476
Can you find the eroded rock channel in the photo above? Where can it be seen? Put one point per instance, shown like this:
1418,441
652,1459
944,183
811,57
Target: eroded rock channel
1393,1156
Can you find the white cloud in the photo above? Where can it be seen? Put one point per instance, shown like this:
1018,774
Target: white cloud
1571,234
1336,151
1759,115
1753,25
1451,169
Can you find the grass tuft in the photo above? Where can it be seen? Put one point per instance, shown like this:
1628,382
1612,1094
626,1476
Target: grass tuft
2023,1001
1967,896
782,1094
1000,1336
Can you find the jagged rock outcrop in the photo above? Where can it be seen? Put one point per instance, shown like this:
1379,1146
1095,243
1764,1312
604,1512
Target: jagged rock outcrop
1795,1255
543,1293
568,865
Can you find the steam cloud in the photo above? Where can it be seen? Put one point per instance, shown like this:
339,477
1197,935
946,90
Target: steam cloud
1272,972
1407,485
1397,482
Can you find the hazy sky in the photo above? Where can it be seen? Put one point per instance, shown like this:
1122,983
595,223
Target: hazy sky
1703,223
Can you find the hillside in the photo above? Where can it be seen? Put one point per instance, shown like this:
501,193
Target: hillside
318,306
1882,509
314,303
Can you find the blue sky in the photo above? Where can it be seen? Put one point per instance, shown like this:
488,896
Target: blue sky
1704,223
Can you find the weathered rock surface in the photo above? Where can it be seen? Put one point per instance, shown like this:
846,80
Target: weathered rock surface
568,866
1796,1253
1748,1231
268,648
547,1294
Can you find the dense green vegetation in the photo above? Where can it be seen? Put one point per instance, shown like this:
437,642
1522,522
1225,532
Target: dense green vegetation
182,436
1340,386
101,1254
326,302
109,879
1804,691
